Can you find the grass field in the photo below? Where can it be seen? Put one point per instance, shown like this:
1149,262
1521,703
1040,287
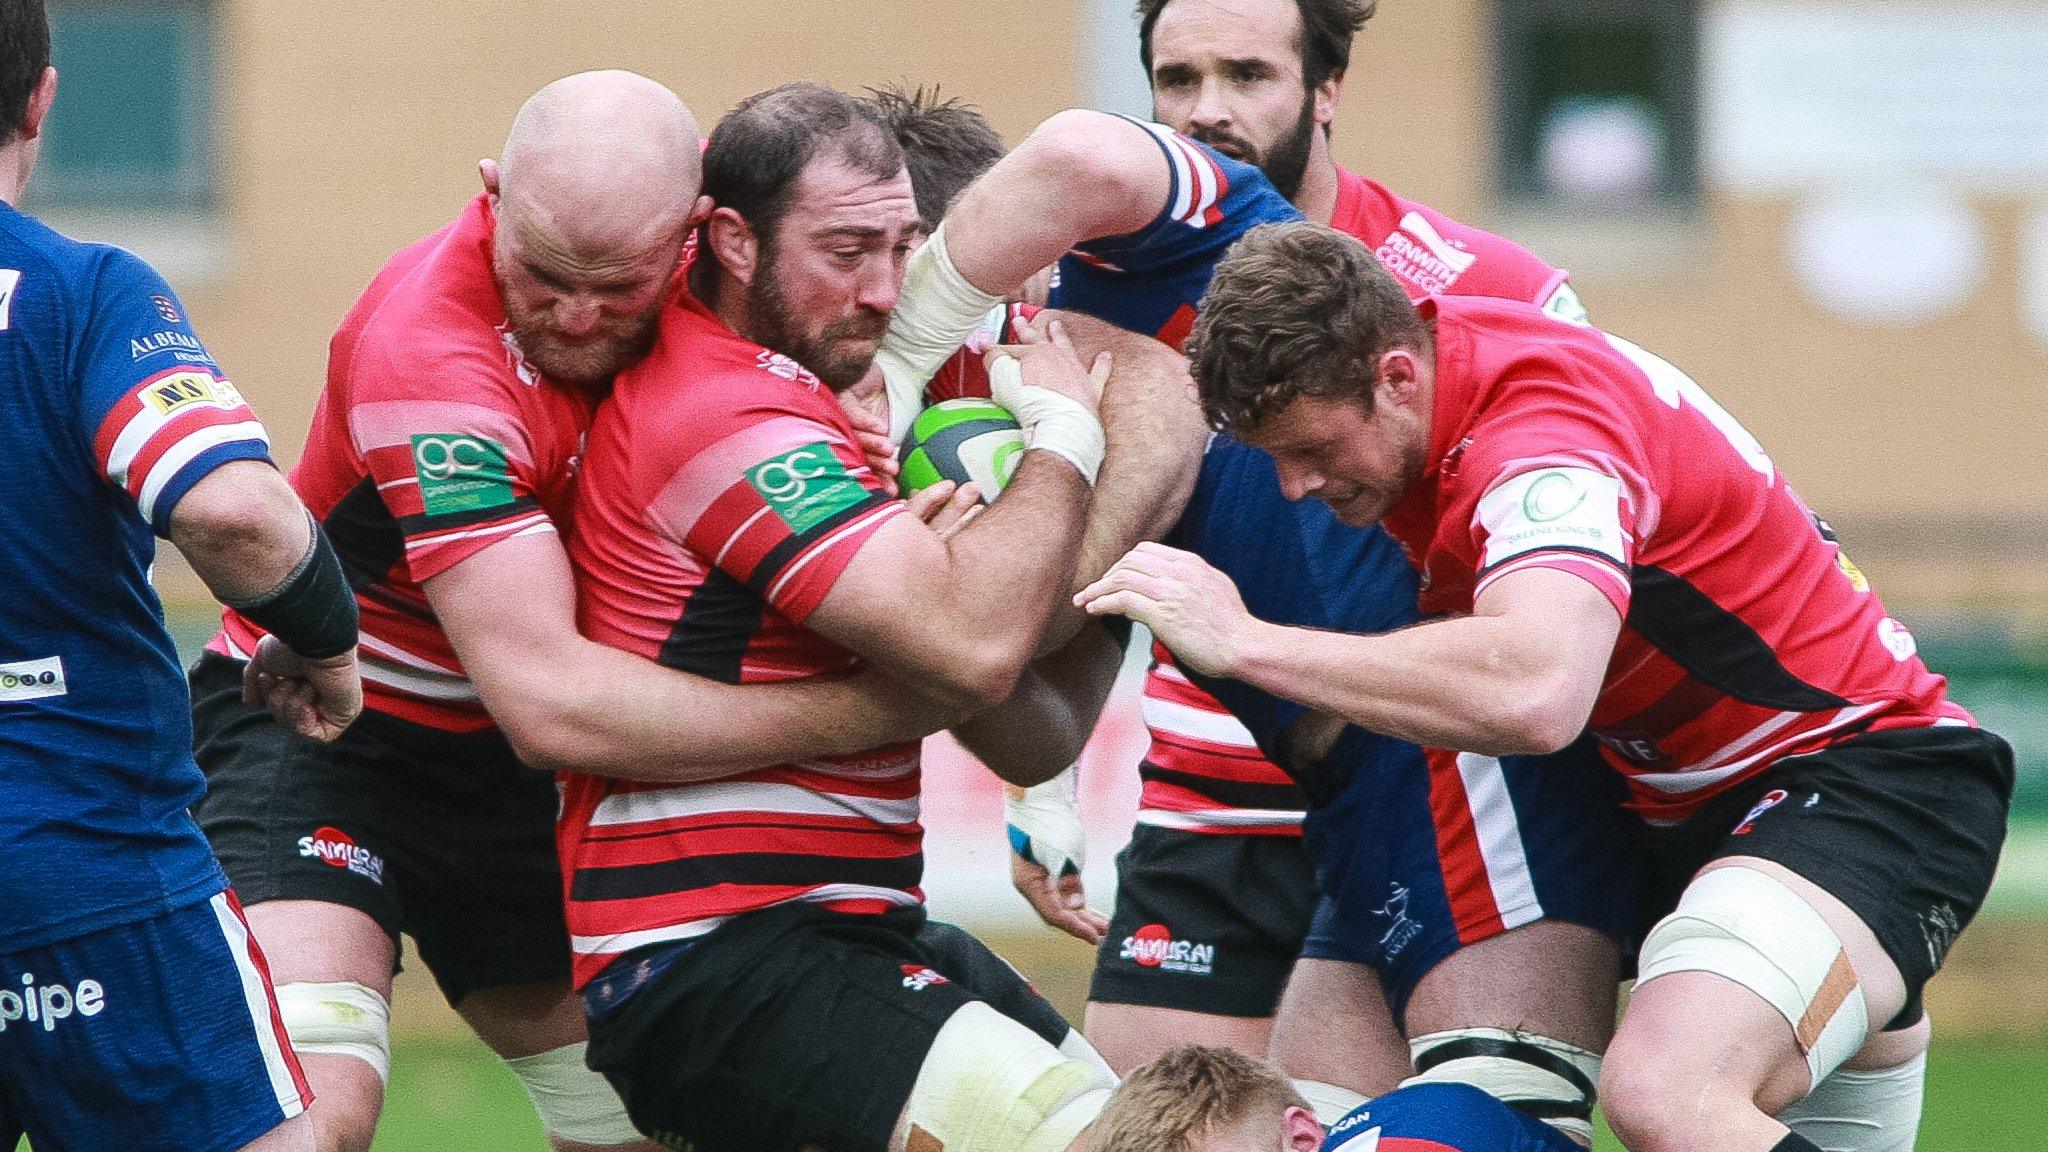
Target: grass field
450,1095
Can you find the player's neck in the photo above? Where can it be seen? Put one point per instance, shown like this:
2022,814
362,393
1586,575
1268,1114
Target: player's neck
1317,196
15,161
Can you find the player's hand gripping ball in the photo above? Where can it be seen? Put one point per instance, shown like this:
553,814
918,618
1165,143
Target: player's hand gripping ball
967,441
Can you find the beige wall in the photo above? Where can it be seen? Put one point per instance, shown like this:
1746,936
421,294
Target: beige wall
354,129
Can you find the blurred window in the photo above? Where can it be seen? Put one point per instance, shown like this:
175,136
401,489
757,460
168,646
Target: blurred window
1598,103
134,127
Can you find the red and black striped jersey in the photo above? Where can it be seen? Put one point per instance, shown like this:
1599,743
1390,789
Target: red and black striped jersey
1747,636
432,441
724,495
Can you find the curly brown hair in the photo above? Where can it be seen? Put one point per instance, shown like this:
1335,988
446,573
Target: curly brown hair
1296,310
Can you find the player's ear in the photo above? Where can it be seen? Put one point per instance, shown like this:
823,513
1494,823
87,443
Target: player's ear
733,244
39,101
1326,95
1397,375
1299,1131
699,212
487,169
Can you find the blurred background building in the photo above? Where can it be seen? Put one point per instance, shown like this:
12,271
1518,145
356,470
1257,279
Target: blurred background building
1833,214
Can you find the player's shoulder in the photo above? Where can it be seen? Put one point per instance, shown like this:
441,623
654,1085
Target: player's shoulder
433,306
79,274
1432,252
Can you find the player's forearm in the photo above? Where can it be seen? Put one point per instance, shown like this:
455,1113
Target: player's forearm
1042,728
1079,176
619,715
1474,683
1156,436
242,529
1004,574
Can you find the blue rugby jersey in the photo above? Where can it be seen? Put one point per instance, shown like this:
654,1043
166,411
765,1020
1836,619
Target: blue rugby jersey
110,410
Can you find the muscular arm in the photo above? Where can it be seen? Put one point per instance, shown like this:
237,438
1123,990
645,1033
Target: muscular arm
1079,176
1041,729
242,529
567,703
1156,436
1518,676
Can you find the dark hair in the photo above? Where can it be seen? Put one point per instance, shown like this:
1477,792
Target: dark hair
946,144
761,148
1295,310
1327,27
24,53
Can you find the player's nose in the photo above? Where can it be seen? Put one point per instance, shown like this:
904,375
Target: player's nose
577,315
878,286
1299,483
1210,110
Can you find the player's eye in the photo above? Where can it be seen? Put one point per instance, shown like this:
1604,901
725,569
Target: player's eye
1172,80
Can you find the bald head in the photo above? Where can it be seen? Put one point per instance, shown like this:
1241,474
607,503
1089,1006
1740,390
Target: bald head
600,159
594,196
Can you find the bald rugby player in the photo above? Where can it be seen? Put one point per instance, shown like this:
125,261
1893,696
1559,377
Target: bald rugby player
441,462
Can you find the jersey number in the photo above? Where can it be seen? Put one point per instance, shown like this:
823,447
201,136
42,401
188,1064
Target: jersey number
9,277
1677,389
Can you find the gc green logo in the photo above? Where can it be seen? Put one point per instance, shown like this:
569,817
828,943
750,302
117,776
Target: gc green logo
1551,496
784,478
806,486
441,457
460,473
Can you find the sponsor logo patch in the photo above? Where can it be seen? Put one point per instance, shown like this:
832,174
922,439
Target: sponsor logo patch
460,473
184,346
917,977
1153,946
1768,801
32,679
46,1004
776,364
806,486
337,849
181,390
168,309
1575,509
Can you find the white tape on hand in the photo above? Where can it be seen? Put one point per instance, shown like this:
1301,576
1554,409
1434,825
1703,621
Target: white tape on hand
1051,422
1045,824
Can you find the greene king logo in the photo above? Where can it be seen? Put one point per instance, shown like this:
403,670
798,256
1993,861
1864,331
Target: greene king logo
1153,946
806,486
1551,496
337,849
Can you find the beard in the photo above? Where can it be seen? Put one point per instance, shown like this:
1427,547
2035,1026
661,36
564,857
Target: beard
1286,162
590,363
838,353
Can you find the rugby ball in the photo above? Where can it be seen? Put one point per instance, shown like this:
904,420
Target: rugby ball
966,440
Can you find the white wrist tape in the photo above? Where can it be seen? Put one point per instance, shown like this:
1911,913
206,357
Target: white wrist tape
1045,824
1051,422
936,311
573,1102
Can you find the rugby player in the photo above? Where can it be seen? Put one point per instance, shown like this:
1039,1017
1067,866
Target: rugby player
1210,1099
135,1008
752,948
441,459
1615,551
1217,856
1492,918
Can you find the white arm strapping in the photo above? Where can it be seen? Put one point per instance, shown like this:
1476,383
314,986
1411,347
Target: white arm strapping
1045,823
1051,422
935,313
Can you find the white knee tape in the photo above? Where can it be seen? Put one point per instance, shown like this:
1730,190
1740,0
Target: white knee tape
1329,1102
990,1084
1747,927
573,1102
338,1019
1863,1110
1549,1079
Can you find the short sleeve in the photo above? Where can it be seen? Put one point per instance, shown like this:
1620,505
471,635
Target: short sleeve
1551,490
162,413
782,503
451,454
